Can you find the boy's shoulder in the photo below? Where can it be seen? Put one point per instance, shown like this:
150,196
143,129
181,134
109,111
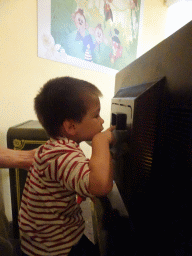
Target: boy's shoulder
56,149
61,144
61,149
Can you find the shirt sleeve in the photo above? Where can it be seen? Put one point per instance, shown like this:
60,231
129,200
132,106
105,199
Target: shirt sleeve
73,173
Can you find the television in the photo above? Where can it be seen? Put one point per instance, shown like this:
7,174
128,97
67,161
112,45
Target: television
152,111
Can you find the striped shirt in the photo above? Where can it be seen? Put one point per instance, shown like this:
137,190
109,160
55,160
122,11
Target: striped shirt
50,220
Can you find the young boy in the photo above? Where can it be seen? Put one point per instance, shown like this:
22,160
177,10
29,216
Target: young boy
50,218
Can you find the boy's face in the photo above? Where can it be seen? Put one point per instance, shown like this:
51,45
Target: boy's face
91,123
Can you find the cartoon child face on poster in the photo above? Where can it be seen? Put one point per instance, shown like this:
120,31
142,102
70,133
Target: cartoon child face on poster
80,23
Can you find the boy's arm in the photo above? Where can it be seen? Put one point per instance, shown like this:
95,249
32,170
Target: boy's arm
10,158
101,168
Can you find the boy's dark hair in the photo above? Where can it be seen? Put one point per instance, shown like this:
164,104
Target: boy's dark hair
61,99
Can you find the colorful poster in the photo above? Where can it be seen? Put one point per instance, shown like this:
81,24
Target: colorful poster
93,33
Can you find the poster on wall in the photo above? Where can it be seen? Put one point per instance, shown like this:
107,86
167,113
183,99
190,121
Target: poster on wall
100,35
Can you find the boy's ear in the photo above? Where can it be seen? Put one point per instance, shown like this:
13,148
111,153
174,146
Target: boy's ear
69,127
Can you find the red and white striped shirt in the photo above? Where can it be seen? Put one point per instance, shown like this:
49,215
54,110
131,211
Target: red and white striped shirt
50,219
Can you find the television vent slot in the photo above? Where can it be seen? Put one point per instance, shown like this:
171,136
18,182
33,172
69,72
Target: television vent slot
143,158
179,138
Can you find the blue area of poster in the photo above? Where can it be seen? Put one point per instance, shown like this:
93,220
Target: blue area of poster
104,32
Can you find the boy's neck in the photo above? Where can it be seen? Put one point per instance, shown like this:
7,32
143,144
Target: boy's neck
68,136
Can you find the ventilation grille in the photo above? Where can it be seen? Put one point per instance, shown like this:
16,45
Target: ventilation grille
143,153
179,139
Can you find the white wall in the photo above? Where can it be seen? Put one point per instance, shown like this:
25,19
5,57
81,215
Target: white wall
23,73
152,25
178,15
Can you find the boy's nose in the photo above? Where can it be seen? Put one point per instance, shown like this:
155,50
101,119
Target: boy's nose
102,121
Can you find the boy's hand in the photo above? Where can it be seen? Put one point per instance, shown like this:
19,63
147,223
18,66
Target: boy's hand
107,134
100,164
